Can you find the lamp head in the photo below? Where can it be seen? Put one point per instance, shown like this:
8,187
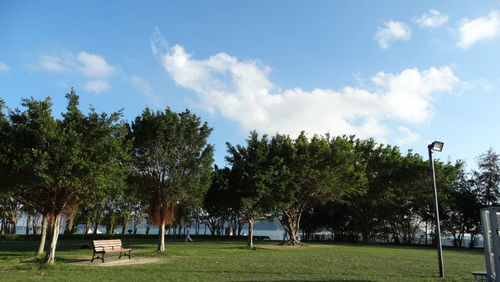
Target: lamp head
436,146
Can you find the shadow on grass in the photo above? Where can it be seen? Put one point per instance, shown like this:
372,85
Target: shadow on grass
12,255
72,260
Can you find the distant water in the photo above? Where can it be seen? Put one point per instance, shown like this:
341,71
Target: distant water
275,234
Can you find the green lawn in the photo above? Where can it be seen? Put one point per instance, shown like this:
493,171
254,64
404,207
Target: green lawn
232,261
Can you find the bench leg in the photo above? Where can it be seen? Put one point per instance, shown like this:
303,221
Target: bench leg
129,257
93,257
120,255
102,257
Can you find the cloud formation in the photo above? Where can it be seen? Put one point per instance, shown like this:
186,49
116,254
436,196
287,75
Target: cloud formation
93,65
87,64
479,29
241,91
96,86
392,31
433,18
4,66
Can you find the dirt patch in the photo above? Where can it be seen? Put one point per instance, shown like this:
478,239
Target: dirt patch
115,262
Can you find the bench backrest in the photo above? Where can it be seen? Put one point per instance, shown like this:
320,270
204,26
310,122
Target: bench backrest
104,245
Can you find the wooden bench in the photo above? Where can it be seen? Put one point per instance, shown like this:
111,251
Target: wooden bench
102,247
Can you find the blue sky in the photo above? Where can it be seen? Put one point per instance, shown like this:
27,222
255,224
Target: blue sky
403,72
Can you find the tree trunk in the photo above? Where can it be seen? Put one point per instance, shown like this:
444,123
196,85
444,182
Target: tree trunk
70,219
34,223
126,224
87,226
250,231
291,223
55,227
366,234
43,235
472,242
137,222
161,236
110,226
96,225
28,219
148,226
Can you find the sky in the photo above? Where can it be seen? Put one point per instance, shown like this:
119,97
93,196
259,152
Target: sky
405,73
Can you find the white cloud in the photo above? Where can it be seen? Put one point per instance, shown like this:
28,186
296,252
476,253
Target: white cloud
407,136
94,65
4,66
89,65
241,91
392,31
482,28
96,86
62,63
433,18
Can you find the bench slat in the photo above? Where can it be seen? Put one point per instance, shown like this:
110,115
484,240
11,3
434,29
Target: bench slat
113,245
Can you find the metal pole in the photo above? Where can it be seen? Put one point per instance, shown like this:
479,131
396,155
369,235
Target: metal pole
436,209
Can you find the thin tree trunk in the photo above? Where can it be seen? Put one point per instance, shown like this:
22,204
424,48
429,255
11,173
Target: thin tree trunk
161,236
87,225
28,219
110,226
96,225
33,224
137,223
43,236
56,225
125,225
250,231
70,219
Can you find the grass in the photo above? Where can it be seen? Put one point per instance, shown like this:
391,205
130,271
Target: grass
232,261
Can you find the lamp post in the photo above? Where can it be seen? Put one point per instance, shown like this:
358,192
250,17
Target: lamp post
437,147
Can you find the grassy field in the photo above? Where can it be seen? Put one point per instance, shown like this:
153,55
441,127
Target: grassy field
232,261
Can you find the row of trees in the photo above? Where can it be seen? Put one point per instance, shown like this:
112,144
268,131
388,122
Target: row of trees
98,164
95,168
350,187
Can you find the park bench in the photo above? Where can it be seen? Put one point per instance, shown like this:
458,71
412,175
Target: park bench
480,275
102,247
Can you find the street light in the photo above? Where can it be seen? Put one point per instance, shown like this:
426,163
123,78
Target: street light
438,147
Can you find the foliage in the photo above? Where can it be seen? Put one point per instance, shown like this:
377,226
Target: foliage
306,170
487,177
61,163
172,161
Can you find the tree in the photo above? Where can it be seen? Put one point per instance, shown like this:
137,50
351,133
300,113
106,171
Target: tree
462,214
306,170
487,177
9,207
250,179
59,163
172,160
221,204
371,210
